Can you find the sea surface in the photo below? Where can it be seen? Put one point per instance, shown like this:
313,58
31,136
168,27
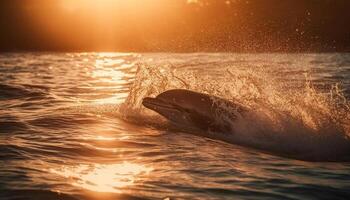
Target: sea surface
72,126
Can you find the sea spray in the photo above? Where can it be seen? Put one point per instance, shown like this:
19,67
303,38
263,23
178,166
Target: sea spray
253,87
300,120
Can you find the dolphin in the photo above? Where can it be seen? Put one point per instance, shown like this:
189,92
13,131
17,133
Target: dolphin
192,110
214,117
197,113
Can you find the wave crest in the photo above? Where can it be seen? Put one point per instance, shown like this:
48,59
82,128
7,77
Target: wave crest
284,118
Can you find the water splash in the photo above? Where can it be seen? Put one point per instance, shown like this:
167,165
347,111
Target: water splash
283,118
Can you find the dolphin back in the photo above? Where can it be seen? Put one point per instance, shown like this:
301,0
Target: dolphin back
206,112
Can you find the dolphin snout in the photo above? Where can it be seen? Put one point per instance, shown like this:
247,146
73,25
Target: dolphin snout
148,102
156,103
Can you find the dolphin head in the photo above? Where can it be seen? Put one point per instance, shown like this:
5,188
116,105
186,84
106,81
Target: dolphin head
184,108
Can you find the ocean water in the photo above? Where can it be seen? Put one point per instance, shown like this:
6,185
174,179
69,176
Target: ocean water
72,126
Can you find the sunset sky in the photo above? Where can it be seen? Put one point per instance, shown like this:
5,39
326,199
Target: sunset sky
175,25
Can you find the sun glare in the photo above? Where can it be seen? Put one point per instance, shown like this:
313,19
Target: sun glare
103,177
101,25
111,69
73,5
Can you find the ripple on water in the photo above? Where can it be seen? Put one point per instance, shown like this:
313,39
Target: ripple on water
16,92
62,135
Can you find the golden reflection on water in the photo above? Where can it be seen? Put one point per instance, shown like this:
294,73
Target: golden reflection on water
110,72
98,138
104,177
114,72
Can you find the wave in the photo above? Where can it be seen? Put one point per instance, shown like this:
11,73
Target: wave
291,120
21,91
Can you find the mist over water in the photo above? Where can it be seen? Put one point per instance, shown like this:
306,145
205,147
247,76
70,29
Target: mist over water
72,126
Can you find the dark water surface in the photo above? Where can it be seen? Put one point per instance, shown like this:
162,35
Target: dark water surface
72,126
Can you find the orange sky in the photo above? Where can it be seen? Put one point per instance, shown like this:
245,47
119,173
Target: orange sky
174,25
100,22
